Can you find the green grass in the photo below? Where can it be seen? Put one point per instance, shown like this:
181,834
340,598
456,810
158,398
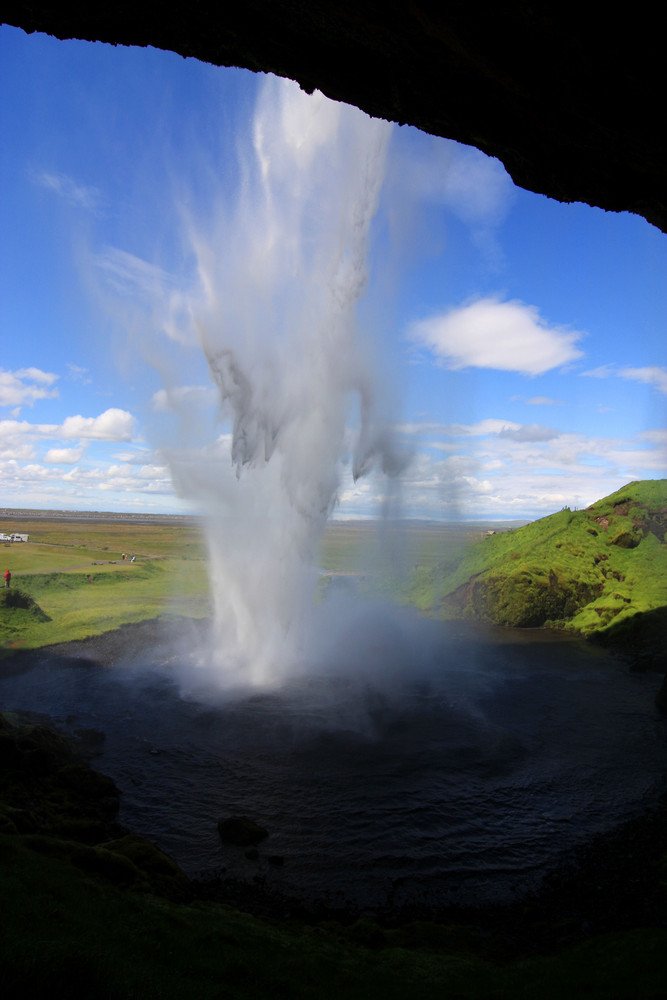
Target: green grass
581,570
65,932
74,573
588,571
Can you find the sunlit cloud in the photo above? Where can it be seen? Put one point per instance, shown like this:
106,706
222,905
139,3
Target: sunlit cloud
26,385
63,456
112,425
489,333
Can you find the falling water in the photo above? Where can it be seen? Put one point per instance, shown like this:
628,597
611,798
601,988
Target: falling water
279,281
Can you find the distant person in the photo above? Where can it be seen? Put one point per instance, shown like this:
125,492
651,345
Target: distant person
8,578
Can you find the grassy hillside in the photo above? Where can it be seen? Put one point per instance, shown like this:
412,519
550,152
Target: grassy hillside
588,570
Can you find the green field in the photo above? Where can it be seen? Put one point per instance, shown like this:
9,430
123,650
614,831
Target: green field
69,581
74,573
600,572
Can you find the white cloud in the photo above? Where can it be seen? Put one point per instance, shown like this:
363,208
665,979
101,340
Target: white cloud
658,436
655,376
501,469
20,451
139,457
177,397
24,386
483,428
37,375
602,371
112,425
17,440
78,374
129,274
421,428
71,191
650,375
488,333
138,285
530,432
63,456
121,479
153,472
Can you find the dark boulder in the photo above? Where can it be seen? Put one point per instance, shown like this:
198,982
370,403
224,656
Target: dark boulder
241,831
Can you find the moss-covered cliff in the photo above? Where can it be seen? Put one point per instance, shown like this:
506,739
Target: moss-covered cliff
596,571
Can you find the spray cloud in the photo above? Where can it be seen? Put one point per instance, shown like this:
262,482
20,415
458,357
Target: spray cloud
278,282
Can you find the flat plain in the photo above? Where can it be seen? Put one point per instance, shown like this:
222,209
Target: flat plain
77,583
70,580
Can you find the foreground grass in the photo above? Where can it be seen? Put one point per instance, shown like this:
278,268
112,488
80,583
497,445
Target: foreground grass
64,933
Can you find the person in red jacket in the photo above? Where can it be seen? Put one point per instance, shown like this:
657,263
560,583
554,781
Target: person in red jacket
8,578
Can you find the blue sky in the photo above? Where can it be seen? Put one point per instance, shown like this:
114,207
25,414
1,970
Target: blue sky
516,346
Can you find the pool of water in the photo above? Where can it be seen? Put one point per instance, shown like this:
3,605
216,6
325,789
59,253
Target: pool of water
461,773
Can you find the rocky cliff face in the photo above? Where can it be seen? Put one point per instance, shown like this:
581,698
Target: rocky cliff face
562,94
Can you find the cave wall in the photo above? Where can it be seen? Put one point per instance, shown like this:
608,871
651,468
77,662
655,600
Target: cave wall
566,96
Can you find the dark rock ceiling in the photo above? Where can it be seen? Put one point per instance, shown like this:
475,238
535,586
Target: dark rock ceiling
567,96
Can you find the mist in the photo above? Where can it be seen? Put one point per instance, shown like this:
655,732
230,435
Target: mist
273,311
